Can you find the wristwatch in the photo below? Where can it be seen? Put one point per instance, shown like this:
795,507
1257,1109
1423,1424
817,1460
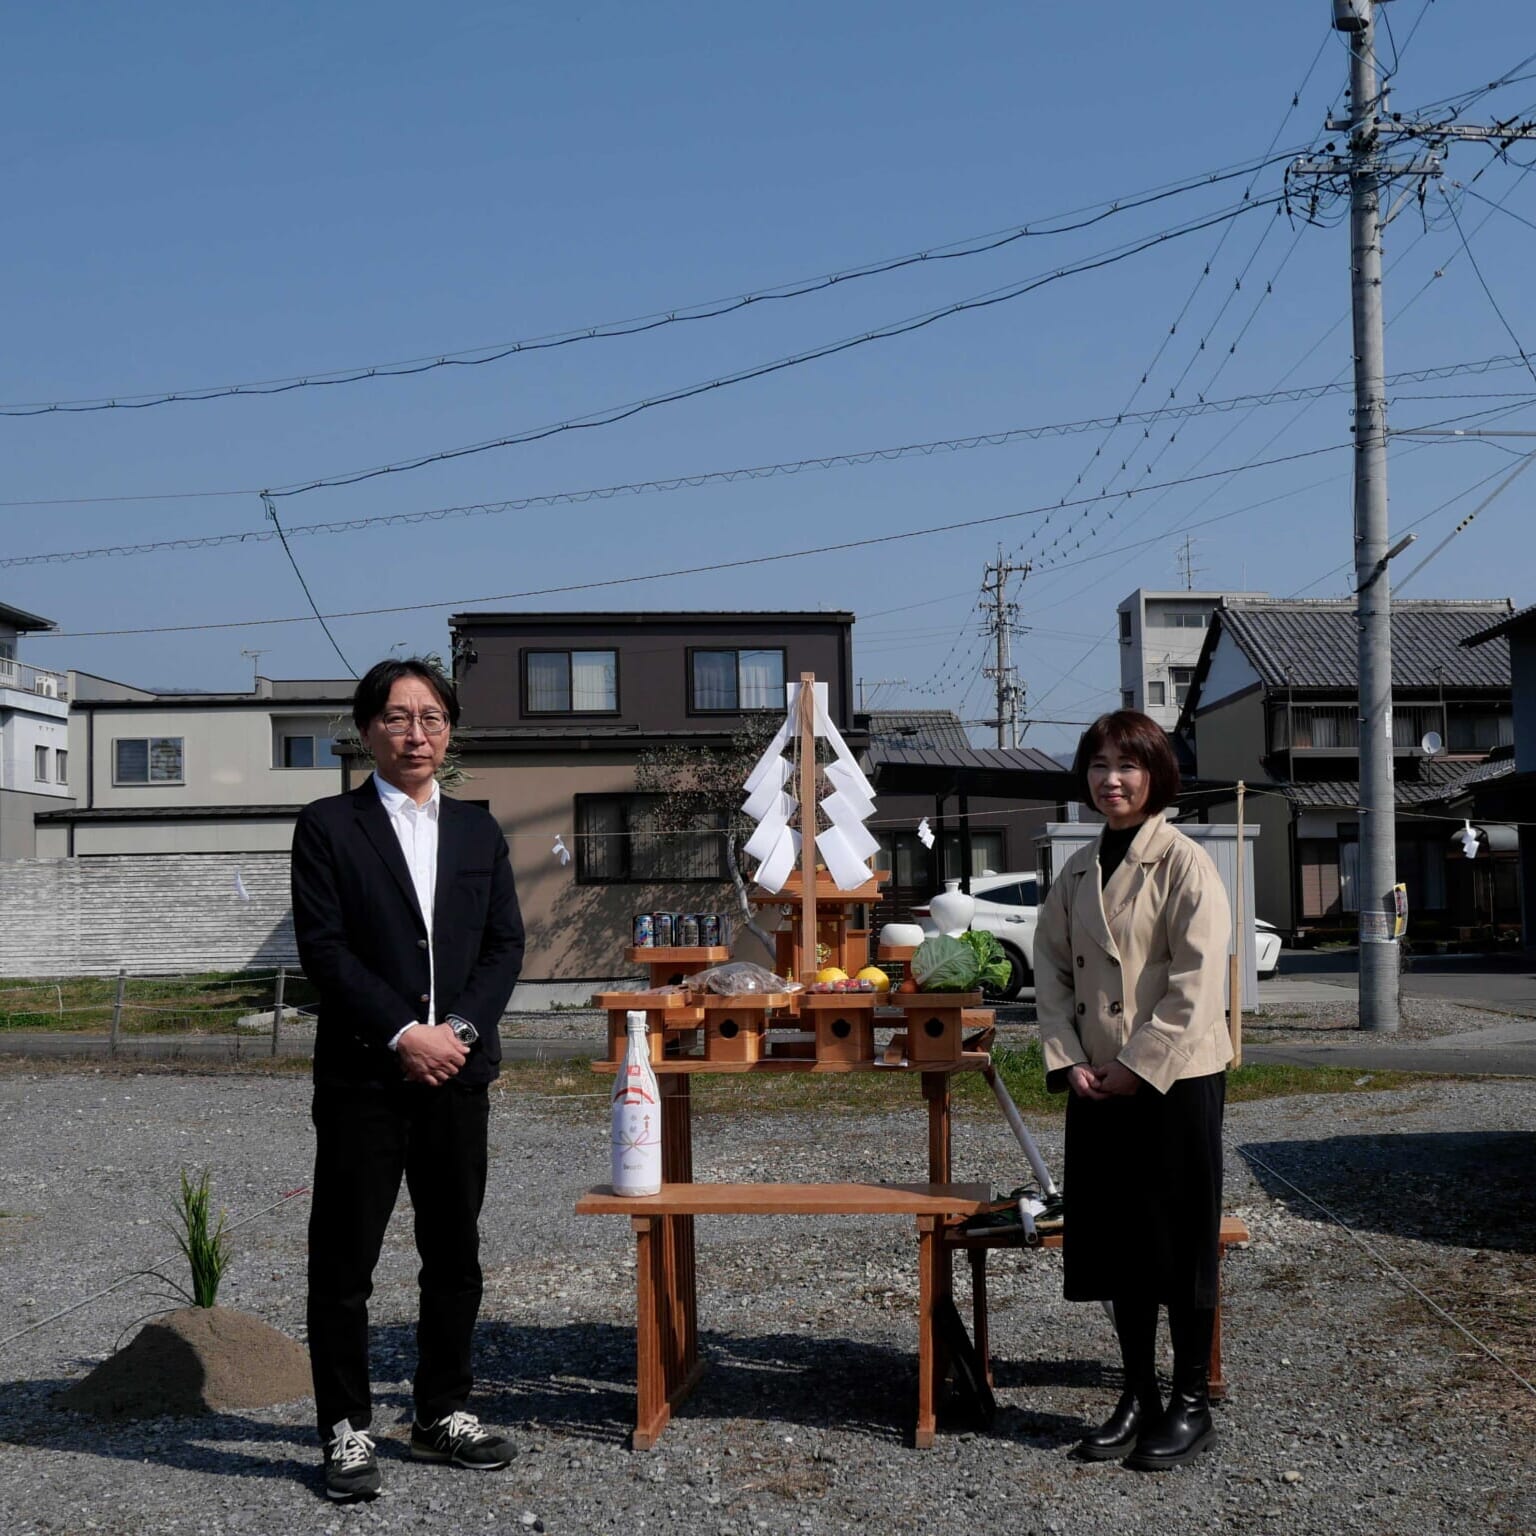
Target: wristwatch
463,1030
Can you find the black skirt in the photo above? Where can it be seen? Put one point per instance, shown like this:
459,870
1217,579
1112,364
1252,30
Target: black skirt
1142,1183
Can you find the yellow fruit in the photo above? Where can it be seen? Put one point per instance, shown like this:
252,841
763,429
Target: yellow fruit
831,973
874,974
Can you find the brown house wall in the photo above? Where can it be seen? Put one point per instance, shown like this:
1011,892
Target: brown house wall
652,667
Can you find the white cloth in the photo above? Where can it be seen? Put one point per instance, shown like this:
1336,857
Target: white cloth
415,829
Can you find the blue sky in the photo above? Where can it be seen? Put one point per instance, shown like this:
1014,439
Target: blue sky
220,194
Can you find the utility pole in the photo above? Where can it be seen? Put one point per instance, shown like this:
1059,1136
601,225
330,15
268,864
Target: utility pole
1001,617
1366,172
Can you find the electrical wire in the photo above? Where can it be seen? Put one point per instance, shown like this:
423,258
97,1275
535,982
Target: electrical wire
308,595
616,581
615,414
1483,282
858,458
708,309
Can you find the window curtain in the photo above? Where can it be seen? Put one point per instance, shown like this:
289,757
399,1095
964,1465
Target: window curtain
714,680
594,681
762,679
549,681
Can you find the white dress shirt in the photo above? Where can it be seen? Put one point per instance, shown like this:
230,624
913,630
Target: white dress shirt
415,828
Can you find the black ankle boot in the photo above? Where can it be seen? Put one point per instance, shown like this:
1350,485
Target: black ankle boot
1182,1431
1137,1409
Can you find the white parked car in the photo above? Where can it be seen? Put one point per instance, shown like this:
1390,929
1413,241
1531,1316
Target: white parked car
1007,906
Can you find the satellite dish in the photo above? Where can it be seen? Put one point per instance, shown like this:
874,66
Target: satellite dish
1430,743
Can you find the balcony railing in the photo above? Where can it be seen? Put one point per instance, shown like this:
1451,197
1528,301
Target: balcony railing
1336,727
25,679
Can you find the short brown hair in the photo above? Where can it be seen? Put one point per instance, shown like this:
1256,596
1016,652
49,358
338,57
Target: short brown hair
1140,737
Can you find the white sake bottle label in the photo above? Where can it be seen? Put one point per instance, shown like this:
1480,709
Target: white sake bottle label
636,1122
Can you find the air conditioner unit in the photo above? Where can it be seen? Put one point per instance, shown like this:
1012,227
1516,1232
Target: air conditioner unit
48,686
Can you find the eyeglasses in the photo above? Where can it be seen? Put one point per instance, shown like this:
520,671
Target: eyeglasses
396,723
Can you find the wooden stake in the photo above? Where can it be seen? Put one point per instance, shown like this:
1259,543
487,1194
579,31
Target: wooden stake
807,819
1240,941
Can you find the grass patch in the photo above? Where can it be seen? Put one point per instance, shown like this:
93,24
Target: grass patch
211,1001
1021,1068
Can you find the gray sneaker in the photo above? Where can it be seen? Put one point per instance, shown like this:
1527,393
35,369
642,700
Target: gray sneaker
351,1468
458,1438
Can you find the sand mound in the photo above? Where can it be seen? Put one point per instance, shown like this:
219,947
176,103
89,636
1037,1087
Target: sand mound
195,1360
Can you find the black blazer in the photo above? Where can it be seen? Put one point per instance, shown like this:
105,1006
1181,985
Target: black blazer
364,945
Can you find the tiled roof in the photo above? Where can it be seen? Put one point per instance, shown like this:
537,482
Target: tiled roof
1344,794
982,759
1312,643
917,728
1521,618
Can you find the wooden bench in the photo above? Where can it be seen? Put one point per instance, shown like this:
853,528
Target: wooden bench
667,1363
1234,1233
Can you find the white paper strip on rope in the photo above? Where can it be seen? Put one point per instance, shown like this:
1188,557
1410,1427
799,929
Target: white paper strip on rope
859,838
767,796
842,807
760,844
849,778
775,869
847,869
765,765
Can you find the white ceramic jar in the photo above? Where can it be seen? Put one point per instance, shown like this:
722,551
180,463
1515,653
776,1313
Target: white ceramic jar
952,909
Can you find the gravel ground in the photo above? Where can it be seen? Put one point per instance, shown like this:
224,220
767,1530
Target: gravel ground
1352,1407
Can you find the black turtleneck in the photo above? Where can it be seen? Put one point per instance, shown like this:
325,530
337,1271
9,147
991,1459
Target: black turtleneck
1113,847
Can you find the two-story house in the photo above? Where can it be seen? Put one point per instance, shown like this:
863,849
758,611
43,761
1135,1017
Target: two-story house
34,736
1274,703
558,709
157,773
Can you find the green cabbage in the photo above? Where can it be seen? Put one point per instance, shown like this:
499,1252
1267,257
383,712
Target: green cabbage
942,964
994,966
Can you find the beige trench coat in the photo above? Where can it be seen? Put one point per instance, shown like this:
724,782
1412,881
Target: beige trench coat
1137,973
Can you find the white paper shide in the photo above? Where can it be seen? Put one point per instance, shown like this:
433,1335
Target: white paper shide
846,845
636,1121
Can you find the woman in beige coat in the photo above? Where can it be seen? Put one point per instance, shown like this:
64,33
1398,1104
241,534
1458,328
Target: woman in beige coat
1130,959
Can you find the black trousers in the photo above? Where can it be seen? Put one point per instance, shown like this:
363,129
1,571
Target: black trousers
367,1136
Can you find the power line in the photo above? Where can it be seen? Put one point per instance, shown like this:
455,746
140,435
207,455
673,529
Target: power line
308,595
1483,282
707,309
698,570
856,458
615,414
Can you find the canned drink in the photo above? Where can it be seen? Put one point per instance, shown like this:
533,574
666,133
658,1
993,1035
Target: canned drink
709,929
661,923
689,937
725,929
645,936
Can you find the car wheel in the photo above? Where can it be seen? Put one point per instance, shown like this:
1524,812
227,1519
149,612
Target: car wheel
1019,977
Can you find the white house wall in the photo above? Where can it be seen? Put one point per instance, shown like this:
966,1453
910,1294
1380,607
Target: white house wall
226,757
1230,673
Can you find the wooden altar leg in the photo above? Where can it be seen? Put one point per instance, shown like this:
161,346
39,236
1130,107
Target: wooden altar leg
681,1342
936,1092
928,1368
652,1409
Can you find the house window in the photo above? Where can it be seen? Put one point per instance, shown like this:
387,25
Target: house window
1127,698
7,650
40,764
1157,692
147,760
1181,618
303,741
61,766
572,682
1479,730
1125,626
736,680
620,841
1181,678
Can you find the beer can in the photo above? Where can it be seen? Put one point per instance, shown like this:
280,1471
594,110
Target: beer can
709,929
725,928
689,937
661,923
645,936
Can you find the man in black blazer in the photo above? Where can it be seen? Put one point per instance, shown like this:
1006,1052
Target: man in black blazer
407,922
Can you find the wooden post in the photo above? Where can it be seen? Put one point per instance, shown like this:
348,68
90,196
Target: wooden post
1239,942
277,1005
117,1011
807,789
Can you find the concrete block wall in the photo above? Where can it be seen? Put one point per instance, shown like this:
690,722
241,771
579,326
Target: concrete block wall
151,914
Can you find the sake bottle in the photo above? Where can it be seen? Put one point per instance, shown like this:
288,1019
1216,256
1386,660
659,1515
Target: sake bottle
636,1117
